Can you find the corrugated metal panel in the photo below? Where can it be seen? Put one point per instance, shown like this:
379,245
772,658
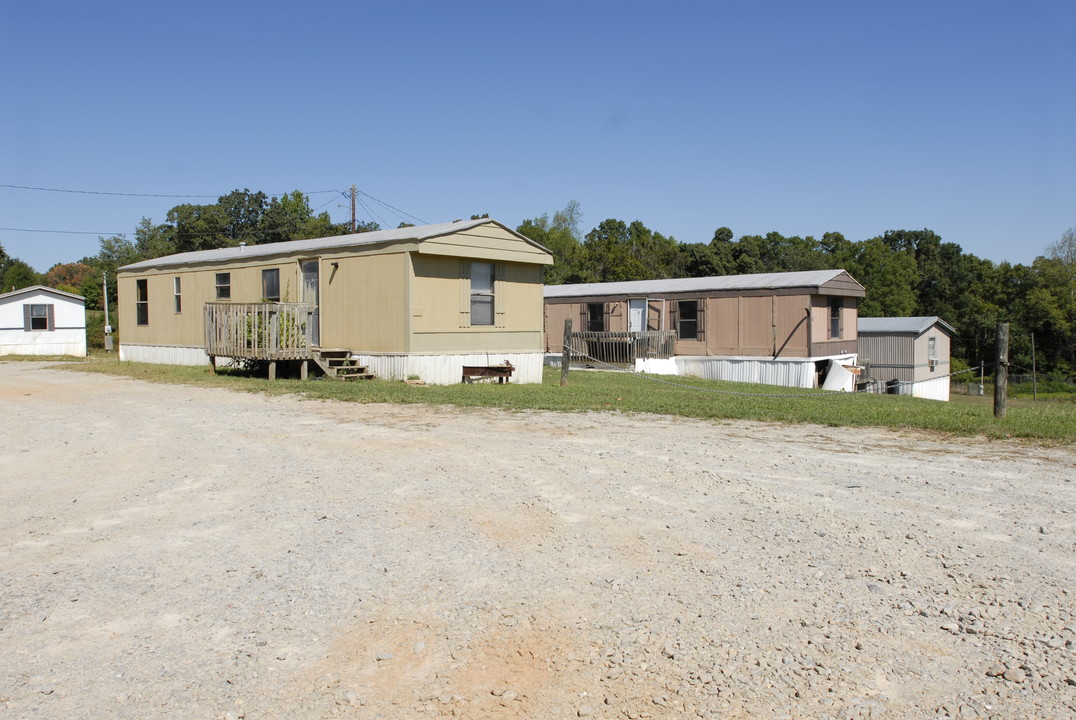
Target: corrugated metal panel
885,350
643,288
448,369
786,373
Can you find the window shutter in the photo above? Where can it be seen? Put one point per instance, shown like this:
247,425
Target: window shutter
498,295
465,293
607,314
674,317
700,319
52,316
583,317
26,317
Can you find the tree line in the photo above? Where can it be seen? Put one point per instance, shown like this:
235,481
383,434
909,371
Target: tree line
906,272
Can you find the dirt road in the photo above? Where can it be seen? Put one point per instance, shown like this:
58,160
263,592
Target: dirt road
176,552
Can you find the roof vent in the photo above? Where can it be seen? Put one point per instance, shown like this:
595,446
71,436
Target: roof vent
242,245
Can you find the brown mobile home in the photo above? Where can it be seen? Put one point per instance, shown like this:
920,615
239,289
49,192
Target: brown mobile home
774,328
413,302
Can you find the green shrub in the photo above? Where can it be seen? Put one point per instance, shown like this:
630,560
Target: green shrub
95,330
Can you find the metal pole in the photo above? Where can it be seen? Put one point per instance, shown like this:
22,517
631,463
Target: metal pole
1001,369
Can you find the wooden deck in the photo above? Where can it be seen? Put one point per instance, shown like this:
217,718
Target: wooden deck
259,331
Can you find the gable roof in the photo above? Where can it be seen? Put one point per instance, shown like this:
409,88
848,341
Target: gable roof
42,288
916,325
398,235
812,279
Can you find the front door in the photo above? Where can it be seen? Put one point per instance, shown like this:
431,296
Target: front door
310,295
637,314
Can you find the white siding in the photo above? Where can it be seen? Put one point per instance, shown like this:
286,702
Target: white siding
69,321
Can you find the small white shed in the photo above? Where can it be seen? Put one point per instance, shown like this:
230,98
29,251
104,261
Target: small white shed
41,320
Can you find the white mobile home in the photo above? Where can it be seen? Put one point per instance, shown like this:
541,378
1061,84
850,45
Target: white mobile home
41,320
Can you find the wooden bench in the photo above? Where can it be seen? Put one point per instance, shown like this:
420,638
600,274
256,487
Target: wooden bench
501,372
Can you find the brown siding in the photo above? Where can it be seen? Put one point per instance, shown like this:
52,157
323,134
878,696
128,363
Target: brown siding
754,325
843,284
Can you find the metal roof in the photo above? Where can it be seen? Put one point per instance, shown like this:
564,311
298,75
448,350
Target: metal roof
915,325
408,234
45,288
758,281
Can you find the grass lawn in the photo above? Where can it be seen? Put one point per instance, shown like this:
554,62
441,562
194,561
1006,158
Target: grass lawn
1045,421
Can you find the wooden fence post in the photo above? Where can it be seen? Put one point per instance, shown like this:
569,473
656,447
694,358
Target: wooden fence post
566,356
1001,370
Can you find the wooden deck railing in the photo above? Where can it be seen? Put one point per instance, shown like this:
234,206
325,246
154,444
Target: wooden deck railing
621,348
259,331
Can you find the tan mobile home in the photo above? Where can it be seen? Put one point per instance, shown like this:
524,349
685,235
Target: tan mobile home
773,328
413,302
907,355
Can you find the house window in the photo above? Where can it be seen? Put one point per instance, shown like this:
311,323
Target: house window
224,286
687,323
178,293
595,317
271,285
835,306
38,317
482,293
932,353
142,302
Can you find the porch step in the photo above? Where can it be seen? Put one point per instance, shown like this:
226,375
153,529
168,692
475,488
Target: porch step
337,364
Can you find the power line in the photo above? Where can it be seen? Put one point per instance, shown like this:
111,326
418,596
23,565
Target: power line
368,209
390,207
64,232
152,195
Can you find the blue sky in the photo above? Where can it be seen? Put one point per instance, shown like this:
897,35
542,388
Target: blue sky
797,117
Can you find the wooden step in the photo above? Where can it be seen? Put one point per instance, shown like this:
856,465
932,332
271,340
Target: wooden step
337,364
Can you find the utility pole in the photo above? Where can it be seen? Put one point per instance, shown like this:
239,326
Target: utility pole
108,326
353,226
1001,369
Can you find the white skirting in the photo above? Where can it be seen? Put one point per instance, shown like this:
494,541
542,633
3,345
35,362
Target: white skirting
74,349
448,369
790,372
431,369
936,389
66,341
163,354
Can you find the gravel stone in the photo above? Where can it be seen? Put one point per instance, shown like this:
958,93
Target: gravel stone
191,552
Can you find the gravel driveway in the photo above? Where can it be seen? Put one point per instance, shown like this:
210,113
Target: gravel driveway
178,552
